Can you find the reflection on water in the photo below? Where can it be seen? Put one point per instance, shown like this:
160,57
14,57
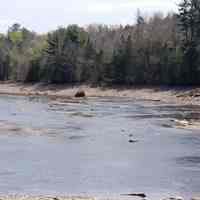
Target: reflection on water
97,146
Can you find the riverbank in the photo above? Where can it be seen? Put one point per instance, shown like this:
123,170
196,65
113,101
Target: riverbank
175,95
62,94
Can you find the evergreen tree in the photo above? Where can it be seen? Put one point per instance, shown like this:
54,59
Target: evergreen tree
189,15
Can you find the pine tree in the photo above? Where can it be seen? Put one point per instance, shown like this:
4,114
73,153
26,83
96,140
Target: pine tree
189,18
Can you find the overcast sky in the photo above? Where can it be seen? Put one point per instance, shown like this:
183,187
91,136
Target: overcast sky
44,15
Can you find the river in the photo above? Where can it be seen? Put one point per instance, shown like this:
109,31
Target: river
99,146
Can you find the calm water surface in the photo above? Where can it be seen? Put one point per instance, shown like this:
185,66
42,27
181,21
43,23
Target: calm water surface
84,148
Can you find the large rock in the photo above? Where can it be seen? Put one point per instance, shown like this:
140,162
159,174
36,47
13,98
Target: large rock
80,93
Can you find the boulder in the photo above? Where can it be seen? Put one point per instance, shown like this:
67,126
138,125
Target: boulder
80,94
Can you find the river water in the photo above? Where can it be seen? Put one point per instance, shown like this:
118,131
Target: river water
100,146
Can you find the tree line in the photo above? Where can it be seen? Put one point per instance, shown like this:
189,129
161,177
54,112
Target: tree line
161,50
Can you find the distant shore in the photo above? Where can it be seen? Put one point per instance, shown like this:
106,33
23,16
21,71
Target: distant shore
174,95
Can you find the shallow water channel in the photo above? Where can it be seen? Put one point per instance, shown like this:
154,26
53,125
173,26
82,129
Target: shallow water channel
99,146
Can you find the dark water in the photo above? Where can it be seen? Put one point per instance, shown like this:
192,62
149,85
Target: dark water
86,148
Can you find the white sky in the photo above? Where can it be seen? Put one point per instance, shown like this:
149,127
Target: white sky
44,15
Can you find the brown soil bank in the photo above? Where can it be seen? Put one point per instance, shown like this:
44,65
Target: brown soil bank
183,96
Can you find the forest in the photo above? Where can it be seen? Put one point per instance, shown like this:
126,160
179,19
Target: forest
156,50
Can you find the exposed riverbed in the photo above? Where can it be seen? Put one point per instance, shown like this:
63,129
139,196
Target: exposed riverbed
98,147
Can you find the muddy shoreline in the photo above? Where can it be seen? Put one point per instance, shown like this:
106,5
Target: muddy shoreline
171,95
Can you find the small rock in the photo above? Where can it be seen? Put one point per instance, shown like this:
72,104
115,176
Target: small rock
196,95
133,141
167,125
130,135
182,122
142,195
80,94
174,198
195,198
